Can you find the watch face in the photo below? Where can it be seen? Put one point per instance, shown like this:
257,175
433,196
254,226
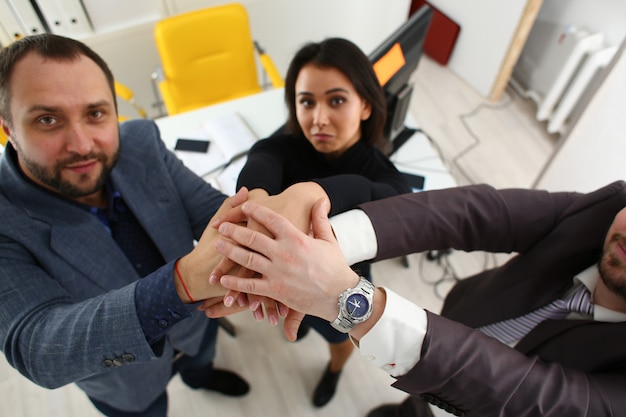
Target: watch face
357,305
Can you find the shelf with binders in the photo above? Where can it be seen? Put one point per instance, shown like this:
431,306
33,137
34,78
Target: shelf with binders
77,19
65,17
19,18
12,27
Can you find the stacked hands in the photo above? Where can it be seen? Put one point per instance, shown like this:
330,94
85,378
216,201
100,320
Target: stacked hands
271,263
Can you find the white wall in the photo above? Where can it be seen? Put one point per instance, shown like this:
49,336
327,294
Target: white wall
487,30
281,27
607,16
593,154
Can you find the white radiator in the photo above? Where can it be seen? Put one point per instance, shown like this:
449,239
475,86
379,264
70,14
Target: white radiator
556,66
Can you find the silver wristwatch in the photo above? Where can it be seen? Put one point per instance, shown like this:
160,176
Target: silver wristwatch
355,306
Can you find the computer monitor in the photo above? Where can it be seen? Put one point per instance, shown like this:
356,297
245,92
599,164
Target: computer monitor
394,61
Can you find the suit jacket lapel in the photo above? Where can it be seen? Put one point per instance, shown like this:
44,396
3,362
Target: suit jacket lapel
153,205
546,331
76,235
89,248
580,344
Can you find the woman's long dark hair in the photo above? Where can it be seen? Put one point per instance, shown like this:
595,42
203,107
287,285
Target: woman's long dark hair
351,61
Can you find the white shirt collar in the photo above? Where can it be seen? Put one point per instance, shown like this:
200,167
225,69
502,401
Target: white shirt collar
589,278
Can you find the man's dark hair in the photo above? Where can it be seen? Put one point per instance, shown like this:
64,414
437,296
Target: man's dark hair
47,45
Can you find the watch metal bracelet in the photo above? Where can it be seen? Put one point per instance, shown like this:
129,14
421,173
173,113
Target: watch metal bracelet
355,306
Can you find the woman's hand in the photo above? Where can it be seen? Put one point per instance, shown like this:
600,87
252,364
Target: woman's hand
306,273
295,203
194,269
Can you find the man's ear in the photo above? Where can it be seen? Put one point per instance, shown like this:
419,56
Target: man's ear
5,134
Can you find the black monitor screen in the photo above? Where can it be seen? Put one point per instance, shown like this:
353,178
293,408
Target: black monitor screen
394,61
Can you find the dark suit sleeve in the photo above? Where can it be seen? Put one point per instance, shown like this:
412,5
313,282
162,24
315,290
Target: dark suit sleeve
466,370
475,217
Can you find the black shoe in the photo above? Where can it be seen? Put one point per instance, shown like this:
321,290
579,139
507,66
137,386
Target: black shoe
225,382
412,406
325,389
303,330
386,410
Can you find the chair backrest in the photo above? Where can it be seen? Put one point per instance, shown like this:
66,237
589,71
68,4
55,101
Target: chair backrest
207,56
3,138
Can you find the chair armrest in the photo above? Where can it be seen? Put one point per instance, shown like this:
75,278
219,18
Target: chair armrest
126,94
269,67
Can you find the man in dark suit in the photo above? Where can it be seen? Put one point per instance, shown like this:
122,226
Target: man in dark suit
571,366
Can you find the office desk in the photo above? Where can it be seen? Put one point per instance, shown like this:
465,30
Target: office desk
265,112
418,156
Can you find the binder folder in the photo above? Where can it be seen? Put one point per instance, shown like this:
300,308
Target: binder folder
5,39
65,17
54,17
9,22
76,18
27,17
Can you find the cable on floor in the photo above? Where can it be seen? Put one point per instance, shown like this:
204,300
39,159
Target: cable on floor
414,163
476,139
448,274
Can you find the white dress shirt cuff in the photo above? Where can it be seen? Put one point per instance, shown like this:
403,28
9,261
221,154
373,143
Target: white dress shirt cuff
394,344
356,236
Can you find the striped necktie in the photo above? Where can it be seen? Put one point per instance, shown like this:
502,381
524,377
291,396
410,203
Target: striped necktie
508,331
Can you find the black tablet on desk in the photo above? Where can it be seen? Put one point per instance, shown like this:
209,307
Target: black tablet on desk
192,145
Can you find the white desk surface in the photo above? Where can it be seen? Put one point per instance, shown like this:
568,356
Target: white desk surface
418,156
265,112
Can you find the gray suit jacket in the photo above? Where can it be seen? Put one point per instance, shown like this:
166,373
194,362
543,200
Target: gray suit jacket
562,367
67,291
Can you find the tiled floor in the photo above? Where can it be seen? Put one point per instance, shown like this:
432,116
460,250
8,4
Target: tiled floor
498,143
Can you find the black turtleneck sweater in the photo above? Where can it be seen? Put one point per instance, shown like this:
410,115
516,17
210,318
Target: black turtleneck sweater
360,175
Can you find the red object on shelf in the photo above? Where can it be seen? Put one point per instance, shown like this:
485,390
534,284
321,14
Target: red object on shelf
416,4
441,35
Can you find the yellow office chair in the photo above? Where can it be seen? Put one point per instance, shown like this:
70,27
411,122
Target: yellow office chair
207,57
126,94
3,138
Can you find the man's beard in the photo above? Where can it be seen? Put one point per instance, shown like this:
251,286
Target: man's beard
52,178
612,269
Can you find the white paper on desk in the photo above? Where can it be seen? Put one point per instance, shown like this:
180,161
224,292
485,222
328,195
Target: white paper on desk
202,163
227,180
229,136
